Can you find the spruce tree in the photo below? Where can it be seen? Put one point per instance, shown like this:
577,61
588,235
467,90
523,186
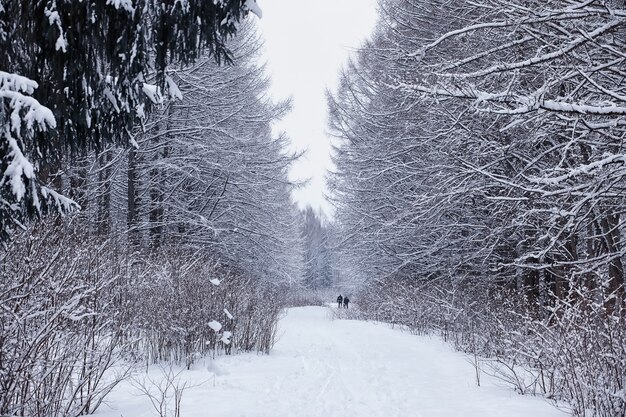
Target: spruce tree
89,63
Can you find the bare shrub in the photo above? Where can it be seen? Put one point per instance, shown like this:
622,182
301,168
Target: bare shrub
300,296
165,391
76,312
192,306
572,350
59,330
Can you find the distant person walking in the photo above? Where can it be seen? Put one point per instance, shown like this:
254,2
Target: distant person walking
339,301
346,300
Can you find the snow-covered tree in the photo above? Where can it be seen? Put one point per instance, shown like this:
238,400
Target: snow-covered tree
210,173
21,117
183,246
90,62
318,254
479,180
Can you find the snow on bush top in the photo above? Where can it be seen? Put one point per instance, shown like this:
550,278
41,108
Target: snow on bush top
216,326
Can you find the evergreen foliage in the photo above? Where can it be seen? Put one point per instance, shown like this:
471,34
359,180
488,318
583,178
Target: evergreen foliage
91,61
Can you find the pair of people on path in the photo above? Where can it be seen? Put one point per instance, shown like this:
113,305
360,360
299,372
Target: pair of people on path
344,300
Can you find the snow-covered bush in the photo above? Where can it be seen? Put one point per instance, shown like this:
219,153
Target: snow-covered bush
60,328
188,306
298,295
78,311
573,351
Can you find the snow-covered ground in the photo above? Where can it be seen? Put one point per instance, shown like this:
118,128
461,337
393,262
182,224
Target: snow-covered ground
322,367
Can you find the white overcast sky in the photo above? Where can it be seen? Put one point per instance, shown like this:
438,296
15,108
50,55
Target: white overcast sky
306,44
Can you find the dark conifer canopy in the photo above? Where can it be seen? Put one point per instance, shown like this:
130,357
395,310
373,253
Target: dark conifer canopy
90,60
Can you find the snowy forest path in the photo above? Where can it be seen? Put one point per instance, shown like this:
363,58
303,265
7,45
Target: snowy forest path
322,367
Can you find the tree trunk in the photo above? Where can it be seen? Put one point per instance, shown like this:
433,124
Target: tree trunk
132,203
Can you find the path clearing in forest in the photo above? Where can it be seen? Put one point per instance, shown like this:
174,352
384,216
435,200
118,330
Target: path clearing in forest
322,367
